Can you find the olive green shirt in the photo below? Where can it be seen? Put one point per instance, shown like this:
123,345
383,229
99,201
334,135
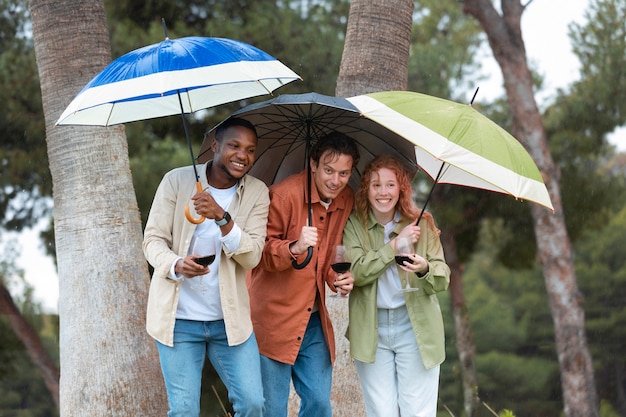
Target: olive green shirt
370,257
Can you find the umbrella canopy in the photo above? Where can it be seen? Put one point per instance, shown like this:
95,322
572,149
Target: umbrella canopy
146,83
176,76
452,142
290,123
455,144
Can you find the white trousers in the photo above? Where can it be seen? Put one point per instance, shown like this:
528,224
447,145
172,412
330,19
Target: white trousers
397,384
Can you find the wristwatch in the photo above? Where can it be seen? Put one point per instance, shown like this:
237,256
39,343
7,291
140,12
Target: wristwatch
224,220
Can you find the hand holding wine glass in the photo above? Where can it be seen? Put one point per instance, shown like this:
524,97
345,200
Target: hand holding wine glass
404,248
340,263
203,253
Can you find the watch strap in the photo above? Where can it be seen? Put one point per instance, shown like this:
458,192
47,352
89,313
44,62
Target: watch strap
224,219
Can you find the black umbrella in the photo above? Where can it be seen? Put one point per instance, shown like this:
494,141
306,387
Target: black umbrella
288,125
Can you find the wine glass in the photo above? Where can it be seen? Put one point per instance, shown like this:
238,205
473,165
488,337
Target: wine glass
340,263
203,252
403,249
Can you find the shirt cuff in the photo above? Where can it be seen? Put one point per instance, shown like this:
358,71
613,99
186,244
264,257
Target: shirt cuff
173,275
232,239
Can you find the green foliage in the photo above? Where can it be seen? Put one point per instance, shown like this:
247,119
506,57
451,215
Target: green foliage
24,174
607,410
22,390
578,122
512,332
148,168
600,46
444,45
601,271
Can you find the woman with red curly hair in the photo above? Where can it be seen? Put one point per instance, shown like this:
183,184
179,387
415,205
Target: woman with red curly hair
396,337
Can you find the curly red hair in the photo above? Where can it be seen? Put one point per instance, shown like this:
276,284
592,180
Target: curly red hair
405,205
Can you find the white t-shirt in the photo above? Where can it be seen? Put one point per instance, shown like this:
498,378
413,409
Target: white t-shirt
389,294
200,296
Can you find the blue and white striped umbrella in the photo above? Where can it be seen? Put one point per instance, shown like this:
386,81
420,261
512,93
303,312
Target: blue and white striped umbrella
175,76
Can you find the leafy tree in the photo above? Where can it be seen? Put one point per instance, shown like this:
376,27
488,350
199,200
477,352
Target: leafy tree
444,47
602,274
511,320
28,342
24,174
554,246
579,120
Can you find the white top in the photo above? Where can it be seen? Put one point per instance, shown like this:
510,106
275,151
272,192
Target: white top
200,296
389,294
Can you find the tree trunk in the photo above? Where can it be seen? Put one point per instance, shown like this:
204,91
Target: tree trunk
464,342
376,51
375,58
31,341
109,366
555,249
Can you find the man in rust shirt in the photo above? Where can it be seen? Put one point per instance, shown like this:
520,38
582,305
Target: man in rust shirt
289,315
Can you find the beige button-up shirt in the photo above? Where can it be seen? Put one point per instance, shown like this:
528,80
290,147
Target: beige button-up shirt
168,234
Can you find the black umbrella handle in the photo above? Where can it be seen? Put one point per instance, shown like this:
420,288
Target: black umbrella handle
309,254
306,261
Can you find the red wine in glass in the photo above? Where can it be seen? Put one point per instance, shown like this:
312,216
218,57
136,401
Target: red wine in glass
401,259
341,267
205,260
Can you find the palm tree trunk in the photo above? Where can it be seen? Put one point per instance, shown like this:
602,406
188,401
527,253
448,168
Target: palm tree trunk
109,366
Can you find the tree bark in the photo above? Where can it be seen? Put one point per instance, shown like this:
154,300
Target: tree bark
553,243
376,51
35,349
109,366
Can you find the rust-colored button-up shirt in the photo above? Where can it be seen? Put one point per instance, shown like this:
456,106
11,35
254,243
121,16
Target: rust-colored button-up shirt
281,297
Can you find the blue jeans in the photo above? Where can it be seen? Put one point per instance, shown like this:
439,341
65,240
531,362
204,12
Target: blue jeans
238,367
311,373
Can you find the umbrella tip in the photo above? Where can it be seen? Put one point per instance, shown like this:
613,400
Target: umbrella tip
164,27
475,92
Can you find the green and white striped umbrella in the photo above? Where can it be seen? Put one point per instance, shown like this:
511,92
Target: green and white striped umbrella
455,144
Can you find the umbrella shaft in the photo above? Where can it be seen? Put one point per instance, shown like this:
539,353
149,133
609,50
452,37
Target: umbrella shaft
182,114
430,193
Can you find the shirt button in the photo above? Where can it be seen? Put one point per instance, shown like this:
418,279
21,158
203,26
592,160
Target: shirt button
299,338
309,309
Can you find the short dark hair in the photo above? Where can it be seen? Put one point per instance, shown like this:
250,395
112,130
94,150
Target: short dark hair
338,144
230,122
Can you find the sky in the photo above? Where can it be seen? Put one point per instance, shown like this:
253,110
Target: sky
544,28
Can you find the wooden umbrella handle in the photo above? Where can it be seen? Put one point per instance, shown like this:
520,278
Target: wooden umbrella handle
188,213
